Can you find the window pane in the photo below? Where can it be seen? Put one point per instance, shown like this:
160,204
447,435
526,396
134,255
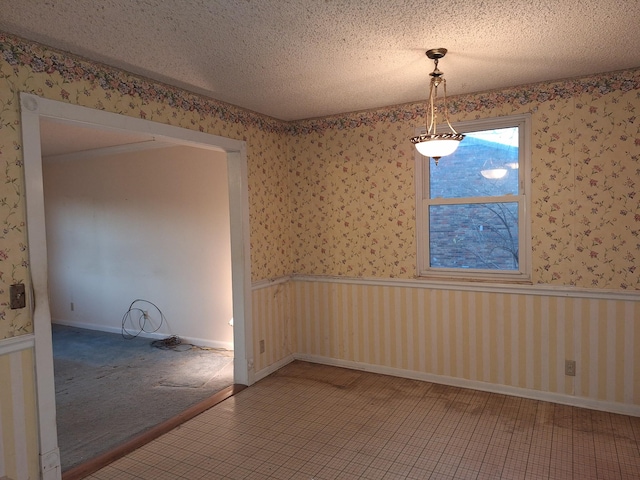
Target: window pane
485,165
480,236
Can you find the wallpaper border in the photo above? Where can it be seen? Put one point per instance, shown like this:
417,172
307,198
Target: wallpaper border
535,93
39,58
42,58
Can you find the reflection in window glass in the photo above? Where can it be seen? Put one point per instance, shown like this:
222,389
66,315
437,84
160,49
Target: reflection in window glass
485,165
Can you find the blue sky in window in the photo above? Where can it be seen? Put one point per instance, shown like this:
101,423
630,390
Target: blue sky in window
504,136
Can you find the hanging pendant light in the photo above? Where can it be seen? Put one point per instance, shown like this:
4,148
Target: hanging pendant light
433,144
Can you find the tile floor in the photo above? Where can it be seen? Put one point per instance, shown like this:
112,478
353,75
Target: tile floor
317,422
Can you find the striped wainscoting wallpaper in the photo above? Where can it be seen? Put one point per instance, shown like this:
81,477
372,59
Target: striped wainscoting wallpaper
18,417
511,342
272,322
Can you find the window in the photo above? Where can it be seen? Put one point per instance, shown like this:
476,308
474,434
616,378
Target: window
472,211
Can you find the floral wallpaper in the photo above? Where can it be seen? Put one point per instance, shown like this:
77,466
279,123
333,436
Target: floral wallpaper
353,188
32,68
335,196
353,202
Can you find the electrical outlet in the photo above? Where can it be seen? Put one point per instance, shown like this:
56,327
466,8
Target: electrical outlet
261,346
72,306
570,368
17,297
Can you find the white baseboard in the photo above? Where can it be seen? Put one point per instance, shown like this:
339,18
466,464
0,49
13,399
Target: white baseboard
265,372
154,336
611,407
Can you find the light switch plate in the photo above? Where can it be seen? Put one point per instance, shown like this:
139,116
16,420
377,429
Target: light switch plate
17,297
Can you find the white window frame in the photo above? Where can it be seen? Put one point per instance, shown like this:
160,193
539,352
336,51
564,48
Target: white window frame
422,164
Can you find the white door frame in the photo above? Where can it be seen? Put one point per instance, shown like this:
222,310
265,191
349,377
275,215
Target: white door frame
32,109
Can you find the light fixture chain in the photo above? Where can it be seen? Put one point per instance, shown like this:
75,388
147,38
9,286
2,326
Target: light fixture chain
446,107
431,117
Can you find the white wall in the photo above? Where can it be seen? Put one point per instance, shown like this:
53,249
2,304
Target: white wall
151,224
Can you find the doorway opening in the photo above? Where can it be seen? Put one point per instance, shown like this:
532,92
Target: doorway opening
34,111
139,258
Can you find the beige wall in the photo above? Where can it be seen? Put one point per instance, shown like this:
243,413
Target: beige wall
152,225
335,198
353,204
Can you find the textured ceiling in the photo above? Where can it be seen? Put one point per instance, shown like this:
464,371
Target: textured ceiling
294,59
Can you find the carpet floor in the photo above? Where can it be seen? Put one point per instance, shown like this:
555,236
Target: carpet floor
110,389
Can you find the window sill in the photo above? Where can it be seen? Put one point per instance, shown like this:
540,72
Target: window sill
466,277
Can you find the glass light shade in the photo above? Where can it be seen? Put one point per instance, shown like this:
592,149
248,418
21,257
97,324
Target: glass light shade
494,173
436,146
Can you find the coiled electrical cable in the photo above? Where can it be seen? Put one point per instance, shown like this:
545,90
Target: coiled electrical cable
134,315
